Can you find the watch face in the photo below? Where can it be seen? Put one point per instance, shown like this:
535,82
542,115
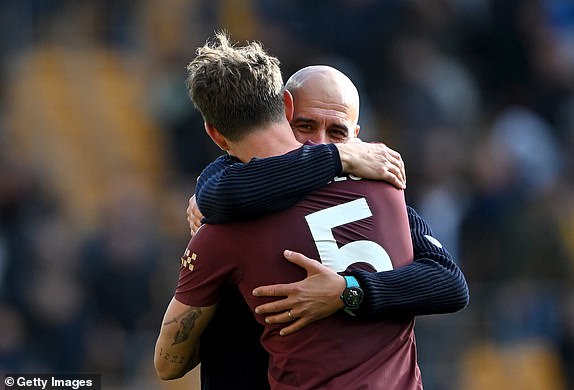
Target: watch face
353,297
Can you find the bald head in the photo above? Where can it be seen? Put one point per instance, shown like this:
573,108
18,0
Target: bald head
326,105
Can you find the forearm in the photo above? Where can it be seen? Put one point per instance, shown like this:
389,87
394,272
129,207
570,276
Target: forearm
432,284
172,361
427,286
228,189
171,364
177,346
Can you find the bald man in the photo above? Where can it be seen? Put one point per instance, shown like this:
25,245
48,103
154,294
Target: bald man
326,110
326,105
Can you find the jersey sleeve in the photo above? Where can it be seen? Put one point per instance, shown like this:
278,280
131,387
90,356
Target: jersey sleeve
229,190
432,284
206,268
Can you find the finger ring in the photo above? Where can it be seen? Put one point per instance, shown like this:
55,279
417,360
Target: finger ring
289,314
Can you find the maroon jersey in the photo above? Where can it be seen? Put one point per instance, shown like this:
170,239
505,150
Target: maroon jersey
347,223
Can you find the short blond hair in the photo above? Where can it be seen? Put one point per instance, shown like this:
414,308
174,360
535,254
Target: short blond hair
236,89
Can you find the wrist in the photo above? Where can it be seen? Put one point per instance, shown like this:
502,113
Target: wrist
335,157
346,157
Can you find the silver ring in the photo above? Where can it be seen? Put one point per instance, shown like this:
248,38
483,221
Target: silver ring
289,314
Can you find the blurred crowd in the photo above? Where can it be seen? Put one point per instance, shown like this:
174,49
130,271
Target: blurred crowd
100,148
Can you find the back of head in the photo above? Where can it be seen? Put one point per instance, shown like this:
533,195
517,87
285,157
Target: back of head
236,89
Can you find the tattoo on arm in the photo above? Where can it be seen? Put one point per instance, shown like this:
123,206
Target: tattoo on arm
176,359
186,323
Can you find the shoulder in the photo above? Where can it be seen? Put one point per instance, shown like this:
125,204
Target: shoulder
211,240
349,184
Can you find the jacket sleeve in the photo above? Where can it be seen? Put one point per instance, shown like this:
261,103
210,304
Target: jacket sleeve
432,284
229,190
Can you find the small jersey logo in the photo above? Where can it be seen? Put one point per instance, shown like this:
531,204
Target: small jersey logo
343,178
433,241
187,259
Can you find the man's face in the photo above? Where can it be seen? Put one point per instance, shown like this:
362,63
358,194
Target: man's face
322,119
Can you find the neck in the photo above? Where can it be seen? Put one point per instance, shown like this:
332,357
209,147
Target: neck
272,140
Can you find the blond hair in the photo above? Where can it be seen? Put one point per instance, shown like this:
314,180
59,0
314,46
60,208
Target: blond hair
236,89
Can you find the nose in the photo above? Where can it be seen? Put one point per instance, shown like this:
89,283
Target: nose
320,137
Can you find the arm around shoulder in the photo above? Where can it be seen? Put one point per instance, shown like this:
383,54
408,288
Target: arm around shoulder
232,190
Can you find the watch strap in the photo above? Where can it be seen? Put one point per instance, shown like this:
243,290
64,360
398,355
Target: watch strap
351,281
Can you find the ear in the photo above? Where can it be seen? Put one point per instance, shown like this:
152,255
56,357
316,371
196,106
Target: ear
357,129
288,101
216,136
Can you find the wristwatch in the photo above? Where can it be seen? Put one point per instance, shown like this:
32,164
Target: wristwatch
352,295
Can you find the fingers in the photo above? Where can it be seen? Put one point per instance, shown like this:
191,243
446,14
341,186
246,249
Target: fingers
301,260
394,180
274,307
395,176
305,301
294,327
190,217
283,290
274,290
401,173
392,167
280,318
397,161
194,216
194,227
394,158
288,316
283,317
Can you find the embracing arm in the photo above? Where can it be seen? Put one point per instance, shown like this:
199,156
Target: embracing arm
177,346
231,190
431,284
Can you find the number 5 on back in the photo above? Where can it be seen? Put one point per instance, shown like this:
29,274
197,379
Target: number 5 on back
338,259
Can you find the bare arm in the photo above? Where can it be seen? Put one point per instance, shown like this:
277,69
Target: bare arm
177,346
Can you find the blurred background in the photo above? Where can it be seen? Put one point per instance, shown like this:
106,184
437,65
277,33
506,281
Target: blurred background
100,148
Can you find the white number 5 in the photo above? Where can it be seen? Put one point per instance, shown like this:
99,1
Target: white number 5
338,259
